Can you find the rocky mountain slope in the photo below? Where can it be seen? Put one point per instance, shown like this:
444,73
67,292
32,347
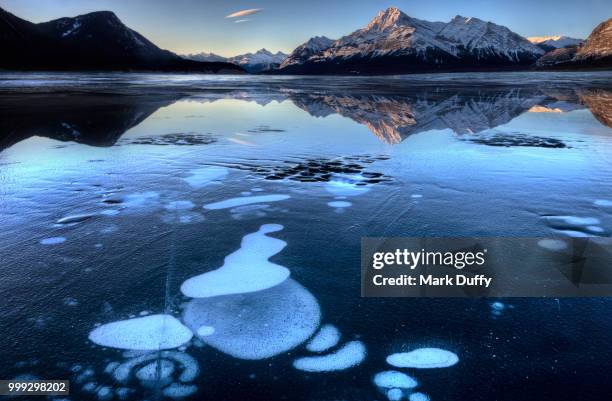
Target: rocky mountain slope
393,42
595,53
94,41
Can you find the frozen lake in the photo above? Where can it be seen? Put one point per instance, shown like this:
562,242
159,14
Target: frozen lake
198,237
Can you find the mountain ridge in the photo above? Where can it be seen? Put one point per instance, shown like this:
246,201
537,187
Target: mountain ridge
393,42
73,43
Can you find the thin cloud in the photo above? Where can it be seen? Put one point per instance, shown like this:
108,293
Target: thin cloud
240,21
244,13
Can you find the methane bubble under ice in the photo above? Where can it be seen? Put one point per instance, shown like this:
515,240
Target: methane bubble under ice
339,204
154,332
552,244
327,337
418,397
349,355
199,178
52,241
394,379
256,325
423,358
245,200
395,394
245,270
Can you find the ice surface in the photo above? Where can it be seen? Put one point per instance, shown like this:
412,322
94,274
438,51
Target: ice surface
552,244
245,200
152,332
52,240
394,379
141,200
180,205
245,270
339,204
350,354
182,217
256,325
327,337
423,358
199,178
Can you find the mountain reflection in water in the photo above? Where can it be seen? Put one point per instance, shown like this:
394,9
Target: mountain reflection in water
101,119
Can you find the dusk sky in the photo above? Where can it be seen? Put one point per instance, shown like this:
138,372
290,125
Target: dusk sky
186,26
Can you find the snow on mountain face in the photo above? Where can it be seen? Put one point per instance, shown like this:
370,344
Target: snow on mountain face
557,42
260,57
485,39
261,60
307,50
462,41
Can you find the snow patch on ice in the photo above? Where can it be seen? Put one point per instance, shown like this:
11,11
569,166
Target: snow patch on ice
327,337
245,200
245,270
152,332
351,354
423,358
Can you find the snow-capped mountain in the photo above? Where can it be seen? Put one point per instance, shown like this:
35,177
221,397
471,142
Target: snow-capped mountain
203,56
97,40
261,60
549,43
306,50
393,42
596,52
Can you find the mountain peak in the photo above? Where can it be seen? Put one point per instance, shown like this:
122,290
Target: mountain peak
388,18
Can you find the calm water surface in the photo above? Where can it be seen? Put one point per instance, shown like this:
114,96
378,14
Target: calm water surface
116,189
